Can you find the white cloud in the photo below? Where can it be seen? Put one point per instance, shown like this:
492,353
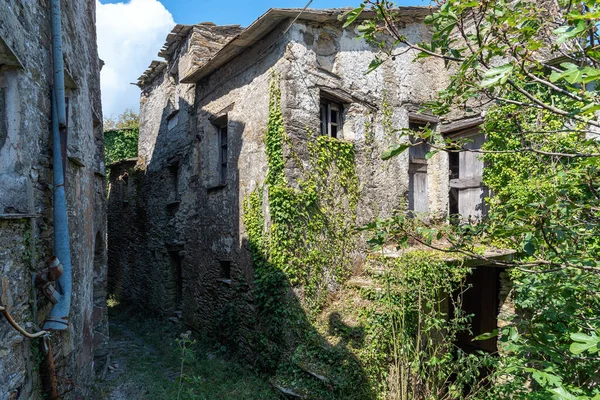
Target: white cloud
130,35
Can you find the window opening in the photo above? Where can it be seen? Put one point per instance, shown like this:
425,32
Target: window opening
418,196
482,301
223,148
331,117
174,177
225,272
3,119
453,159
177,277
467,193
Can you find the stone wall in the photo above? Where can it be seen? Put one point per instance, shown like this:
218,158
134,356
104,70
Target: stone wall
147,233
193,252
26,236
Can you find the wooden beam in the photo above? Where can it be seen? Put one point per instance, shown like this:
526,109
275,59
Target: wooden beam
466,183
461,125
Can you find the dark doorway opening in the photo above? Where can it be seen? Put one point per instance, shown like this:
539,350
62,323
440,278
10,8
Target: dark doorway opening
481,300
177,278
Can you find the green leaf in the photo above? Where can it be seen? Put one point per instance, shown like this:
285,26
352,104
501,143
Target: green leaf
374,65
430,154
590,108
394,151
544,378
567,32
352,15
486,336
582,343
560,393
497,75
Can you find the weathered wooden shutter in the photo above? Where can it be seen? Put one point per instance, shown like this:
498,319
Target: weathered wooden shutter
468,187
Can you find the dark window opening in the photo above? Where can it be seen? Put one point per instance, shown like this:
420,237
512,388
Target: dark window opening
124,186
174,183
3,120
176,284
420,150
331,117
225,269
98,255
223,149
453,158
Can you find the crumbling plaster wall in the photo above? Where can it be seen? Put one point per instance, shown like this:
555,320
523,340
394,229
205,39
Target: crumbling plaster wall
26,237
331,60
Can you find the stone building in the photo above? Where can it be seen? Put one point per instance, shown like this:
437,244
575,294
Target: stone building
179,240
26,198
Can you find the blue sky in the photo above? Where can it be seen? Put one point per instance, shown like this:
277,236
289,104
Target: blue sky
131,32
243,12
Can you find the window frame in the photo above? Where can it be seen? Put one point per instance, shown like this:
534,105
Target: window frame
459,183
223,146
327,105
418,166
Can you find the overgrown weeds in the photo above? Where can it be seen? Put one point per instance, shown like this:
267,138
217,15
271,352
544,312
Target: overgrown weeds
156,361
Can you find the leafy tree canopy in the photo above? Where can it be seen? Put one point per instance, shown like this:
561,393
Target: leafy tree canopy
121,137
532,69
128,119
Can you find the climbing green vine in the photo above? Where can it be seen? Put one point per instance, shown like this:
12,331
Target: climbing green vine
311,230
301,234
302,237
120,144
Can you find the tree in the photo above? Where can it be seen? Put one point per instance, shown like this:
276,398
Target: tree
121,137
532,67
128,119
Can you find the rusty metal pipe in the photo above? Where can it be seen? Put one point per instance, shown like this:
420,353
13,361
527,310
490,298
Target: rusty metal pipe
48,371
22,331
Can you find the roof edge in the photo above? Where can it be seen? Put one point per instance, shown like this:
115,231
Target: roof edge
269,21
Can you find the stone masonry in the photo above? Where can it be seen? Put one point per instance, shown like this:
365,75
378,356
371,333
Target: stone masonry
181,239
26,233
176,231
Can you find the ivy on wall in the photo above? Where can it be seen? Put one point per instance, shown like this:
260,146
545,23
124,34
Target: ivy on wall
302,236
410,333
120,144
311,232
301,233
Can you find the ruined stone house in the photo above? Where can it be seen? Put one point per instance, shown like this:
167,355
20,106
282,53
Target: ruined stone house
26,205
177,238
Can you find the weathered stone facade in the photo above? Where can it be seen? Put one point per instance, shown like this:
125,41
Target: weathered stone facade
186,242
26,225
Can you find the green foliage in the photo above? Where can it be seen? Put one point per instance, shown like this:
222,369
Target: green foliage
185,343
312,223
542,161
306,245
539,205
120,144
121,137
410,335
150,353
128,119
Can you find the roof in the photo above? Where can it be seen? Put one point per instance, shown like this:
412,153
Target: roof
273,17
178,34
155,68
